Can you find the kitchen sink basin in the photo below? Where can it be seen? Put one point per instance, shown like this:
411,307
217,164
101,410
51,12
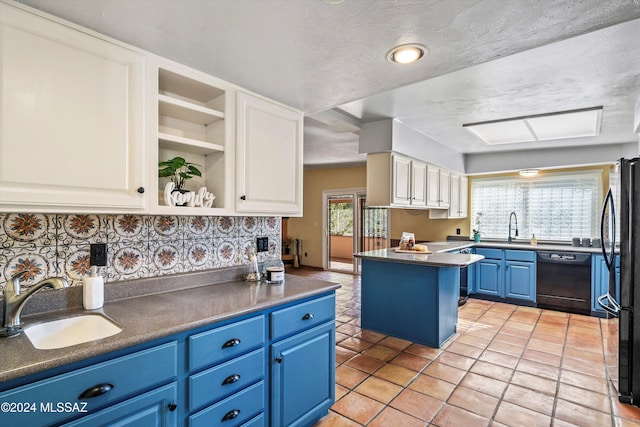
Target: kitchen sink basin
70,331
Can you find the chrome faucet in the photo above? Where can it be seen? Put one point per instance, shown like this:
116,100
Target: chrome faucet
14,300
512,214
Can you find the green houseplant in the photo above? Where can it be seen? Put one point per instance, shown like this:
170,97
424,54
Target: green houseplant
178,170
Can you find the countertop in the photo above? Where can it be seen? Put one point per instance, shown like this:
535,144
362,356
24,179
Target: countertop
150,317
440,257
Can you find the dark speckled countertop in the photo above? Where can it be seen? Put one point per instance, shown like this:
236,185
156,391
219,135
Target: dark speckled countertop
148,317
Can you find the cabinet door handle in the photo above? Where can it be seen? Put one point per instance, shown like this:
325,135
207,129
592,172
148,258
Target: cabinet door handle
307,316
231,379
231,343
231,415
172,407
95,391
279,359
243,197
141,190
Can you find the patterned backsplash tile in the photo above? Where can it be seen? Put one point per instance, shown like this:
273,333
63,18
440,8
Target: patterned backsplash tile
138,246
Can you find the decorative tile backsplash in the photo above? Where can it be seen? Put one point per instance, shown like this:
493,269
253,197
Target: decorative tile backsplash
138,246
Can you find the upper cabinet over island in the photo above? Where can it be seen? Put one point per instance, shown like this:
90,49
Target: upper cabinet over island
85,120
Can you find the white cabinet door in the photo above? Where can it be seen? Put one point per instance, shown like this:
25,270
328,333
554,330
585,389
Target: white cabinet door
71,121
401,181
268,157
418,183
444,200
464,197
454,206
433,186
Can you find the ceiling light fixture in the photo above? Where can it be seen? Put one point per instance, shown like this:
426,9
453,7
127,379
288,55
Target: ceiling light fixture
406,53
529,172
540,127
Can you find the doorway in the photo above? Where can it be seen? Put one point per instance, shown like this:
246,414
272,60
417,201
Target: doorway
351,226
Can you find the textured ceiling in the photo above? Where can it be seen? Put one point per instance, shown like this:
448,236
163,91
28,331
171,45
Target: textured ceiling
487,59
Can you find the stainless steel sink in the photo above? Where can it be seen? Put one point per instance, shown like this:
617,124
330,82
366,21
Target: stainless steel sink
71,331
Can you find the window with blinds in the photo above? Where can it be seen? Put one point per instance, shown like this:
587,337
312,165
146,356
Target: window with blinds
554,207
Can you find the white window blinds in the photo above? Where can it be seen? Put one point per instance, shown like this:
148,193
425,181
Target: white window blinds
554,207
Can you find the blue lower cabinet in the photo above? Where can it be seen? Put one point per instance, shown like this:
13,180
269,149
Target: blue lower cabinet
489,278
232,411
153,409
600,282
303,377
520,280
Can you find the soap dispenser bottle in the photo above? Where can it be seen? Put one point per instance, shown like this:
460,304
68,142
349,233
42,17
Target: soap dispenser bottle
533,241
93,287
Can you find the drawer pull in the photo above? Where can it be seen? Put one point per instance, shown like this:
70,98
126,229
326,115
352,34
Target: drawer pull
231,415
231,379
231,343
172,407
96,390
279,359
307,316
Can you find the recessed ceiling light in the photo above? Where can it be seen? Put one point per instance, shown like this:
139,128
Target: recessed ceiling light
529,172
406,53
540,127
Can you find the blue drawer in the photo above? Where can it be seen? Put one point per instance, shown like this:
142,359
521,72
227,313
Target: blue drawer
224,380
302,316
256,422
233,411
514,255
127,375
490,253
226,342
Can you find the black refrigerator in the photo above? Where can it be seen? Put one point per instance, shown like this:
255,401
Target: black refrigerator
623,305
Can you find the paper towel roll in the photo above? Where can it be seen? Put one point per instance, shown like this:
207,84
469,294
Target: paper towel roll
93,292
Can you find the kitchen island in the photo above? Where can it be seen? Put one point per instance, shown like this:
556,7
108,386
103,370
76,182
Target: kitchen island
413,296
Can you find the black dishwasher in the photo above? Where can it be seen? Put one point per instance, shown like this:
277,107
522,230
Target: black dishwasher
563,281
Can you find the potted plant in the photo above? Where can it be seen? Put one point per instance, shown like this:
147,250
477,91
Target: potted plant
476,231
179,171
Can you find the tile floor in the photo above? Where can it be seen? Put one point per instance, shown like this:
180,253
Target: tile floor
506,366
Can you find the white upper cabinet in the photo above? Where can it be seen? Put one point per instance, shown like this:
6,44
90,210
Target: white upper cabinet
396,181
268,157
458,195
190,116
71,119
437,187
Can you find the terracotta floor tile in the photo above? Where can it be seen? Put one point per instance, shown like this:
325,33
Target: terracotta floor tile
582,355
560,423
451,416
539,356
524,326
517,416
591,399
582,366
543,385
344,354
621,422
365,363
349,377
501,359
433,387
487,319
348,329
553,339
381,352
545,347
482,332
395,343
423,351
538,369
455,360
333,419
510,349
355,344
475,341
393,417
378,389
530,399
340,337
625,411
445,372
370,336
357,407
550,330
588,382
417,404
463,349
580,415
484,385
474,401
410,361
396,374
492,371
341,391
511,339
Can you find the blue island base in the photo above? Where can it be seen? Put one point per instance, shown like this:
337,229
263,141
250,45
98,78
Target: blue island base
415,302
